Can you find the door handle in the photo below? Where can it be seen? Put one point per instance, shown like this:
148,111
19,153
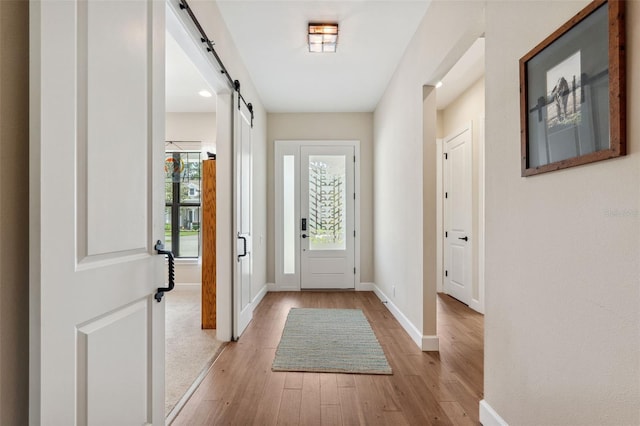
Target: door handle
465,238
304,235
159,247
244,246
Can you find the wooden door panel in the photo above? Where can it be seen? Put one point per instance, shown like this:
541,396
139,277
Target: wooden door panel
209,244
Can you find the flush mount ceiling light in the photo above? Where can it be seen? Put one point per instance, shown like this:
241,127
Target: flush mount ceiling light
205,93
323,38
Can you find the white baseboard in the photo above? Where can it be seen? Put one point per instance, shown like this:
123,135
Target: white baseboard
188,285
359,287
408,326
425,343
256,300
430,343
476,306
274,287
365,287
489,417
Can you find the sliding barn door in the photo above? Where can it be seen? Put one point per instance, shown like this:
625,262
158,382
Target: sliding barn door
242,309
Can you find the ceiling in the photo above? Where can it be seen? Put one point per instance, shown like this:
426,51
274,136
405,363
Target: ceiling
183,82
272,42
271,37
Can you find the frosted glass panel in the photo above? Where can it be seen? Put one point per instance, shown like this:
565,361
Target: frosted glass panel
327,201
289,219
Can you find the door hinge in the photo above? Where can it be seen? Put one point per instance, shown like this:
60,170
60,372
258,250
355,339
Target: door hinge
354,271
446,195
354,233
446,234
354,195
446,156
446,273
354,158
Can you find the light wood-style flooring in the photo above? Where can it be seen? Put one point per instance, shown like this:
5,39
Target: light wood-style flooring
426,388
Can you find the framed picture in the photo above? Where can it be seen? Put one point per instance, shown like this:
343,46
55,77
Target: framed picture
572,92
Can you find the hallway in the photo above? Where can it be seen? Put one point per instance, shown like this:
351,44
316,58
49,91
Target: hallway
426,388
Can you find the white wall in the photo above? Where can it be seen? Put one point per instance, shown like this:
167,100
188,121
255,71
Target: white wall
209,16
319,126
469,108
192,126
447,30
195,127
14,207
562,325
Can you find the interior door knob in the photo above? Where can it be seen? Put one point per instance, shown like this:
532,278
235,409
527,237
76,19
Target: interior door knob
465,238
304,235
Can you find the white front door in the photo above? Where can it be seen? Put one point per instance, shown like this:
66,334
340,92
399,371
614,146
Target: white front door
457,216
242,309
327,226
96,203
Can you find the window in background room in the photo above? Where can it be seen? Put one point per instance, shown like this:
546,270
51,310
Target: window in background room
182,203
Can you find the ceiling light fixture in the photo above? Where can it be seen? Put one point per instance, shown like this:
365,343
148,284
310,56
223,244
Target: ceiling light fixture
438,85
323,38
205,93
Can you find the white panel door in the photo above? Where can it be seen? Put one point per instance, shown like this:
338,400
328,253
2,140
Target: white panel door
242,309
96,204
457,215
327,226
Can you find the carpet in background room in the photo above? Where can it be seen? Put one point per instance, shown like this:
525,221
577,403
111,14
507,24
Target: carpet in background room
188,349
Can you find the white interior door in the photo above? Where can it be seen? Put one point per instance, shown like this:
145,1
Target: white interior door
457,215
243,312
96,196
327,226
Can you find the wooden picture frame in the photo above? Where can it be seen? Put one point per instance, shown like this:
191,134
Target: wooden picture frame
573,92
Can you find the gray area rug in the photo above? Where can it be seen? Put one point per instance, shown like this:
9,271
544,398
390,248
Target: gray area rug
329,341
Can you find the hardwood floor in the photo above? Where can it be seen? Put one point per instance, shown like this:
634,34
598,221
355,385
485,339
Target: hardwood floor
426,388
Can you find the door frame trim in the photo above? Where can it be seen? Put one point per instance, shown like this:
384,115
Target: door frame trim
440,215
181,28
478,304
279,146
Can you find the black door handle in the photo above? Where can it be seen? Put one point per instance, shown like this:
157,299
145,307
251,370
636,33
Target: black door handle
159,247
244,246
304,235
465,238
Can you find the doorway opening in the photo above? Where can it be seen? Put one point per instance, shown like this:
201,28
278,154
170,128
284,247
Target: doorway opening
190,133
460,179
